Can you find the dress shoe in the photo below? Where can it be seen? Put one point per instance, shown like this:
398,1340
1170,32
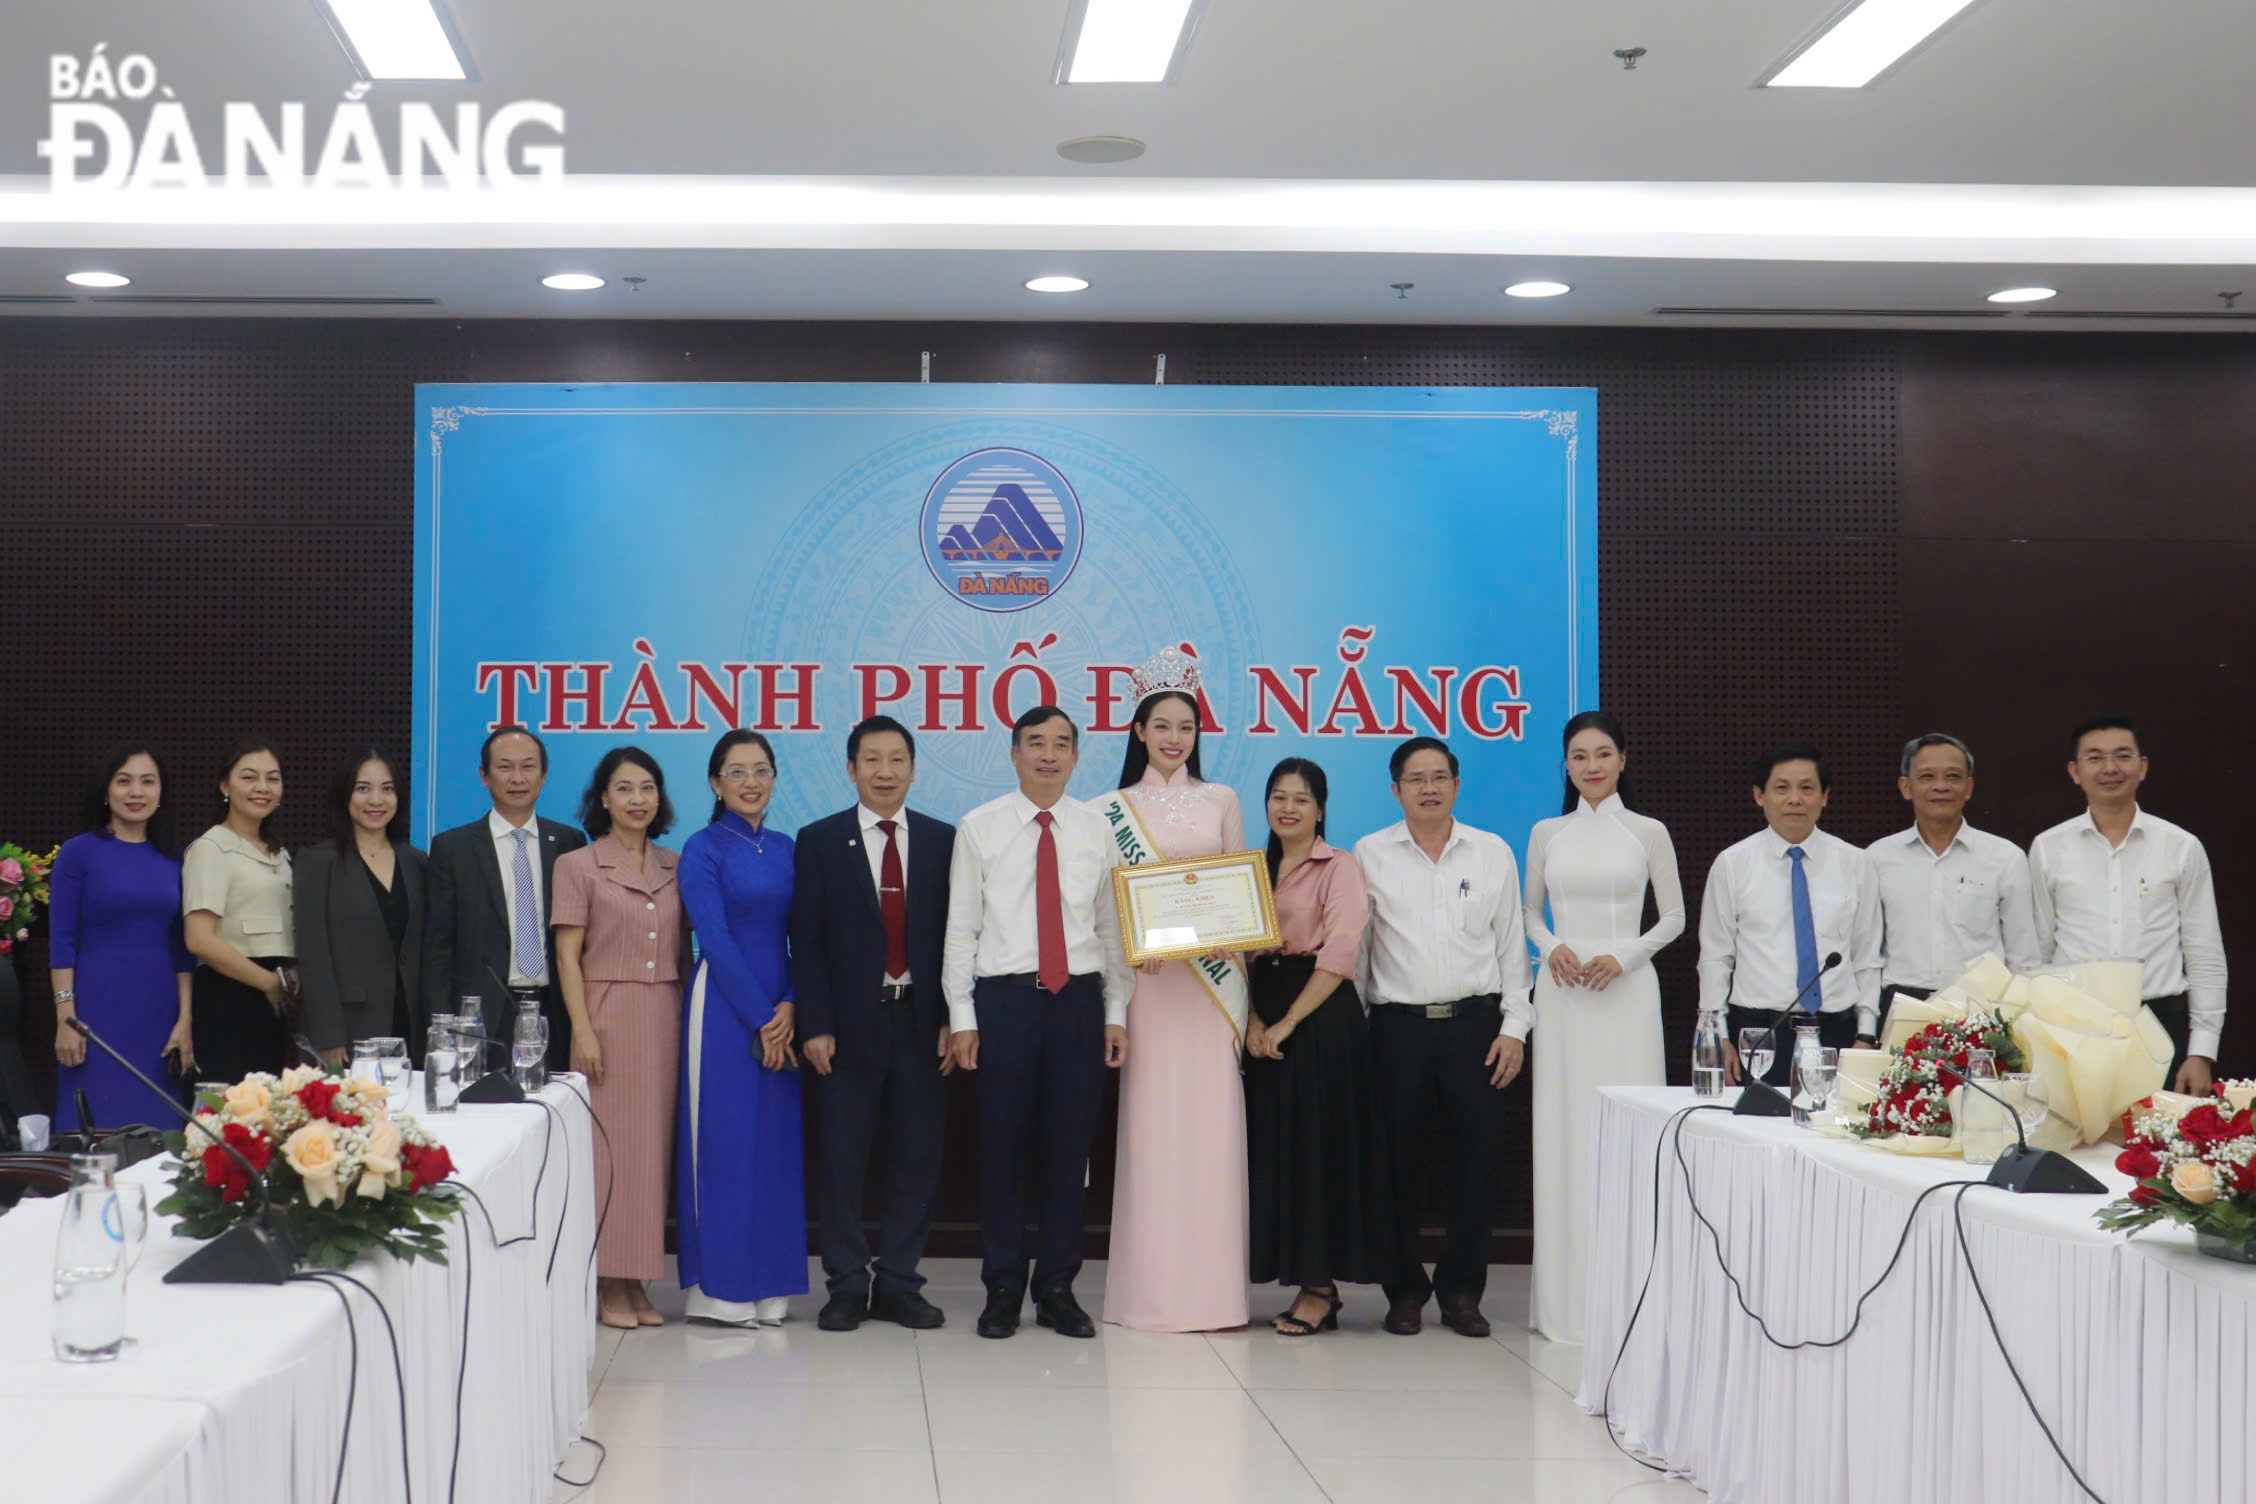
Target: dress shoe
1464,1318
842,1312
908,1309
1405,1317
1060,1312
1000,1318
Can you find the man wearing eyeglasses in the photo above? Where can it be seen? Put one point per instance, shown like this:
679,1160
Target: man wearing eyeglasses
1445,966
2117,883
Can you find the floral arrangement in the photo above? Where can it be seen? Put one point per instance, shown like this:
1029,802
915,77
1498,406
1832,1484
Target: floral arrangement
2198,1167
344,1177
23,892
1913,1096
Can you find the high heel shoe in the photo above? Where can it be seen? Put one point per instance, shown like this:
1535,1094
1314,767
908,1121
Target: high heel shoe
1289,1325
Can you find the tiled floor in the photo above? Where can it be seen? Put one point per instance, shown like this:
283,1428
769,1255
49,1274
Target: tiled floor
694,1413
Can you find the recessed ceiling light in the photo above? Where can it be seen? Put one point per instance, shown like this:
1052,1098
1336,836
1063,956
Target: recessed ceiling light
1125,41
2024,294
1101,149
1863,42
1536,289
97,279
573,282
395,38
1055,284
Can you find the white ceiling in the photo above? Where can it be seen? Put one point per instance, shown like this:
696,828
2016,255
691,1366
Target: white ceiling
1291,115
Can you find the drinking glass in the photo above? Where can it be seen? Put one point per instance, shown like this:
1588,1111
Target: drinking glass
391,1063
529,1051
1754,1053
365,1061
442,1074
1818,1078
1982,1129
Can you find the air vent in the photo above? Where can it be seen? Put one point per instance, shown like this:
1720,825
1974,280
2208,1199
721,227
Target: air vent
45,298
1841,313
177,300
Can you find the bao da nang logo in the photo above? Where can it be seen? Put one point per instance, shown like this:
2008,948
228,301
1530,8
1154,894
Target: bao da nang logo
1001,529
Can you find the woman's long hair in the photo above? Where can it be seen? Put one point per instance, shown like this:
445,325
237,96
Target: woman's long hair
95,804
342,827
1313,776
1593,720
1139,756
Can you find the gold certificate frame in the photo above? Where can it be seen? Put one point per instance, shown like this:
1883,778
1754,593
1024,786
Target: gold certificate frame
1170,910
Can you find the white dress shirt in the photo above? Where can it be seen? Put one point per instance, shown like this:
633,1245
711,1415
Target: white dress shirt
1941,914
1747,926
505,850
991,920
873,843
1444,929
2150,899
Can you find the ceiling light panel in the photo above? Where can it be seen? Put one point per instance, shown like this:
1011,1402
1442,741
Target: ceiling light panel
1861,42
1126,41
396,38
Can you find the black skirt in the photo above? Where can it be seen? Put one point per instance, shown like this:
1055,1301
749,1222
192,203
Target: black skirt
236,1029
1321,1209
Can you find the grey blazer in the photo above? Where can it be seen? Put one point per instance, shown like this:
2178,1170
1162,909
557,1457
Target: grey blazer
351,973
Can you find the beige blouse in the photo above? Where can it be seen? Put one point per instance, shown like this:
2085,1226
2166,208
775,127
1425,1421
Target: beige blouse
248,889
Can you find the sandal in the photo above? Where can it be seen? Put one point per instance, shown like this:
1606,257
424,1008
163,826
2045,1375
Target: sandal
1289,1325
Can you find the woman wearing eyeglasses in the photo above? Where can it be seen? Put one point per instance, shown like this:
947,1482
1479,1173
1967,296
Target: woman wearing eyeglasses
741,1197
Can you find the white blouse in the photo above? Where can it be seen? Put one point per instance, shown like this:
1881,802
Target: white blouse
1593,867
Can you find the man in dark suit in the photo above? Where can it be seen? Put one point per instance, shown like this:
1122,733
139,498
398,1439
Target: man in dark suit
869,911
487,935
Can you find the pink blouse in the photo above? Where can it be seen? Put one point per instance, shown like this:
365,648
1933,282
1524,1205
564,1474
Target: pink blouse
1322,908
633,918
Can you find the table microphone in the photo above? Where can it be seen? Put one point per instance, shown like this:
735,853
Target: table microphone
1760,1099
253,1251
493,1086
2022,1169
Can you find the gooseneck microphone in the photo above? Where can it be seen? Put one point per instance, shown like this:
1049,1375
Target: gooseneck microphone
1760,1099
253,1251
2021,1169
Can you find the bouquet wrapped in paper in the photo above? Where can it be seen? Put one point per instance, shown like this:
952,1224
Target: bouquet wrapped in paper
2092,1047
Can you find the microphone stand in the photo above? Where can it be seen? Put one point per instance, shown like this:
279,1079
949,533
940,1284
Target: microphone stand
2021,1169
1758,1098
252,1252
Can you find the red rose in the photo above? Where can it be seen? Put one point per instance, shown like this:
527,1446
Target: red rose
2243,1124
255,1147
2141,1196
2138,1162
2203,1126
428,1164
216,1165
315,1097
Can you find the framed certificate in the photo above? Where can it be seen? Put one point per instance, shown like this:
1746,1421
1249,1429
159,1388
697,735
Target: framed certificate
1186,908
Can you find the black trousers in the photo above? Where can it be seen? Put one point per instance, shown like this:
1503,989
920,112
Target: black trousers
887,1087
1835,1031
1041,1081
2171,1012
1426,1063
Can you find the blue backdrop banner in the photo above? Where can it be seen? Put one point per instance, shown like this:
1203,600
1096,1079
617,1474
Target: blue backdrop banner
1350,567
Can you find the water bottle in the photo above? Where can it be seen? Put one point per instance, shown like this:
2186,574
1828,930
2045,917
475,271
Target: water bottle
1708,1053
90,1265
528,1048
1982,1129
470,1054
1805,1053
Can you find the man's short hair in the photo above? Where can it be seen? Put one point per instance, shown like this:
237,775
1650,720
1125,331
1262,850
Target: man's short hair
1411,748
1919,744
871,727
1759,771
485,752
1041,715
2102,723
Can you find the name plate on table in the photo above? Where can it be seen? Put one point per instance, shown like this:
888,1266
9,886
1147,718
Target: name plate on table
1187,908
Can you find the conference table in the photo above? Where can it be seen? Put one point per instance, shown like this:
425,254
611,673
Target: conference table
2136,1351
236,1392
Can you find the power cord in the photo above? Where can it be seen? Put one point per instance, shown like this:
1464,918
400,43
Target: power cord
399,1376
352,1374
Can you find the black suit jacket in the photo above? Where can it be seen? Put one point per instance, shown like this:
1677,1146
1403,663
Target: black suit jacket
350,972
466,942
838,931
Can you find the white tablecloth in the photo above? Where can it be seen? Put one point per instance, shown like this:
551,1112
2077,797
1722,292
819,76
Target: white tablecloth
237,1392
2137,1352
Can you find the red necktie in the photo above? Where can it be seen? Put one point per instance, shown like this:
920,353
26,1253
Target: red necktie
1049,910
894,902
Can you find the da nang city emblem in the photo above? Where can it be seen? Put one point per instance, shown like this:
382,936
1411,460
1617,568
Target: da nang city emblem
1001,529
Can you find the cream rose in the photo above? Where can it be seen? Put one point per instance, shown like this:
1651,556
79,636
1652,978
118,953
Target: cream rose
2194,1180
312,1152
2240,1095
374,1093
380,1161
297,1076
249,1103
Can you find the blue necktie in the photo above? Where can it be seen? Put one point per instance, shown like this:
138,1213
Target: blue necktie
1805,933
527,953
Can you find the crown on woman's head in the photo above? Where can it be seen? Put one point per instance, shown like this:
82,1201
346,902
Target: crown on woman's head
1169,668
